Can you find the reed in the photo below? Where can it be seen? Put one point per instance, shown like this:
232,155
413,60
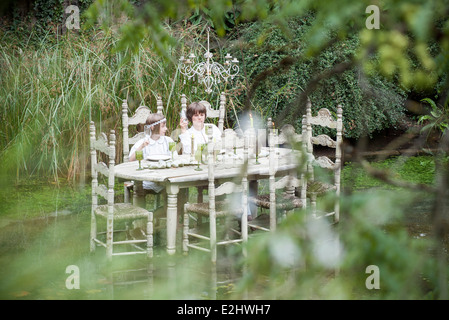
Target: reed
51,89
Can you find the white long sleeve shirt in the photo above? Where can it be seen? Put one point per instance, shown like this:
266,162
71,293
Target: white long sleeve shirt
159,146
199,137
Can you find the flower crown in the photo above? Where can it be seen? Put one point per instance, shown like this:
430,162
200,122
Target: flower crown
156,123
150,126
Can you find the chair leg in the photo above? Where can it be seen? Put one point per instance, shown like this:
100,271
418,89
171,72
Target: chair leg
337,210
150,235
185,242
109,237
313,203
213,238
273,217
93,232
244,223
125,194
304,190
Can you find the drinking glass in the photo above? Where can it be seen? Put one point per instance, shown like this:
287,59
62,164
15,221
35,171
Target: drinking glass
172,147
199,156
216,151
139,156
147,131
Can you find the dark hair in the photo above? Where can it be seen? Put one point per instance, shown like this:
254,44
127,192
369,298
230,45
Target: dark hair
152,118
194,108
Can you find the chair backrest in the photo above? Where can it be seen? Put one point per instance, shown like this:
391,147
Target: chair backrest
210,113
99,146
139,118
324,119
288,135
231,140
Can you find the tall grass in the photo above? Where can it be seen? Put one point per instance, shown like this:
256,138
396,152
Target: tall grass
50,90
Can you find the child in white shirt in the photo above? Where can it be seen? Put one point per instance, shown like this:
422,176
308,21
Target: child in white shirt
196,114
156,143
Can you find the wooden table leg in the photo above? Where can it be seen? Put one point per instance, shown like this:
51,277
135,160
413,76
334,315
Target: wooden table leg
139,194
183,197
172,217
200,190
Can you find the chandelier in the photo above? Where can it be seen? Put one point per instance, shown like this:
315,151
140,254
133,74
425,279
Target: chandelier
209,73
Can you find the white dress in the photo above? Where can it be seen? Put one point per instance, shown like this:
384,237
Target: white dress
159,146
199,137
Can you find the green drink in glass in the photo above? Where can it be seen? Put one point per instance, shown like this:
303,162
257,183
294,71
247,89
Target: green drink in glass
199,156
139,156
172,148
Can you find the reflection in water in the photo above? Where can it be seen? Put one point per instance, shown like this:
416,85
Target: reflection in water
34,255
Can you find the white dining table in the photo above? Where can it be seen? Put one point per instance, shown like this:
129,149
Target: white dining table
176,178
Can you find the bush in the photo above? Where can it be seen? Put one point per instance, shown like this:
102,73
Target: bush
369,104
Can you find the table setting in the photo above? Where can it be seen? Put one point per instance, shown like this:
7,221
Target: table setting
162,161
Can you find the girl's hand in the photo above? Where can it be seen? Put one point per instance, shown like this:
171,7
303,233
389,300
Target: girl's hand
132,157
144,144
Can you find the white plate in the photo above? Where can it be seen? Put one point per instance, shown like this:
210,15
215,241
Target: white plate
157,157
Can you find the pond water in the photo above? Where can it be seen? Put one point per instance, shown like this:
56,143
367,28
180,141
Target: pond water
43,257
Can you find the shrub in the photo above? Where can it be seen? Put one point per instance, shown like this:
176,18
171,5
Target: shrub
369,104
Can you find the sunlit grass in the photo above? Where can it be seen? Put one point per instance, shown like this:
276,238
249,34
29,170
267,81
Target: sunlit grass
419,169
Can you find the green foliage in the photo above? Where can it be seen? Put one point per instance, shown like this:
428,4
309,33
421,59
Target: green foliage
419,169
438,119
406,31
44,17
374,234
369,104
405,53
203,16
298,261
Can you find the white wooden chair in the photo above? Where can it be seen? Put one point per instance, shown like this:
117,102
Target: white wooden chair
284,201
287,135
317,188
111,211
136,121
217,209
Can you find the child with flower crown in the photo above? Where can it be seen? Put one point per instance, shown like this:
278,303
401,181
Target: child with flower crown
155,143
